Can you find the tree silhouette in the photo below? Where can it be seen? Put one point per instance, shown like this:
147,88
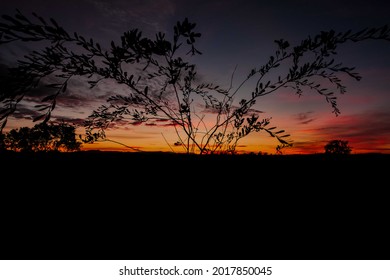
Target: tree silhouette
163,86
43,137
337,147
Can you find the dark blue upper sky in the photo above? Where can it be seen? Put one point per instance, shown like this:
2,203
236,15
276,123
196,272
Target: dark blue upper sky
233,32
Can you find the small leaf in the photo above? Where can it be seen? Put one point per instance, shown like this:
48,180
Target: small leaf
3,124
43,108
11,19
49,97
64,87
54,22
54,85
47,118
38,118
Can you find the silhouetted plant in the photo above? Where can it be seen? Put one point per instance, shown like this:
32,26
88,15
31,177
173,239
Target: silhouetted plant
163,86
43,137
337,147
2,142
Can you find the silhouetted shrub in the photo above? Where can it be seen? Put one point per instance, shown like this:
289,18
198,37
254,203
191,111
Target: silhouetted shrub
337,147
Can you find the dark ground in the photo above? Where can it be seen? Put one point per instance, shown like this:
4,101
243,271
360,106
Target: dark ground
102,205
110,167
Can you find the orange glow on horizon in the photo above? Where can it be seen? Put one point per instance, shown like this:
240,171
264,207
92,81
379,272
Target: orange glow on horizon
308,137
366,132
303,150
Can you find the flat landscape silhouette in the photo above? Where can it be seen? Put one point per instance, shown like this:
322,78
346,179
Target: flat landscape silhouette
139,205
175,169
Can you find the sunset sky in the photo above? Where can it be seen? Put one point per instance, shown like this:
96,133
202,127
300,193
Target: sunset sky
234,34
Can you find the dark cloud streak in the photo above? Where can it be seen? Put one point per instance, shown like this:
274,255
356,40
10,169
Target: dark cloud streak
368,125
304,118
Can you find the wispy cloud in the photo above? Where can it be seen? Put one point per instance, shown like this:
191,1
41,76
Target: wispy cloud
24,112
149,15
368,125
78,122
307,147
305,117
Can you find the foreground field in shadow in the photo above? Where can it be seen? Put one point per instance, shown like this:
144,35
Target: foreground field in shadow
173,169
146,201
